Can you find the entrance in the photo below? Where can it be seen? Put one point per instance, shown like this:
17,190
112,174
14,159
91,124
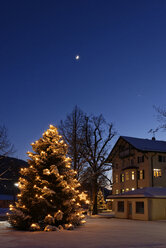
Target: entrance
129,210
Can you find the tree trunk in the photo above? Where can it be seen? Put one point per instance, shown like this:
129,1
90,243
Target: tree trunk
94,195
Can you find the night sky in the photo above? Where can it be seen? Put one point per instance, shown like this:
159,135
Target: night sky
121,72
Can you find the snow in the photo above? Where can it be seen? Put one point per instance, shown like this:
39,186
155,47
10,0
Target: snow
96,233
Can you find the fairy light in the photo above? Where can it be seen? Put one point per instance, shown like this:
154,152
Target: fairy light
68,166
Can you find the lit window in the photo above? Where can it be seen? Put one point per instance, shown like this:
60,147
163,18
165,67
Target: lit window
127,176
133,175
116,179
157,172
122,178
116,191
132,188
127,189
122,191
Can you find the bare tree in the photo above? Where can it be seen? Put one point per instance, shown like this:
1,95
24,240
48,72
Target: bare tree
97,135
6,147
89,145
71,129
161,117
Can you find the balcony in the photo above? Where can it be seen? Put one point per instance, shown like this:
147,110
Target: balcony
126,153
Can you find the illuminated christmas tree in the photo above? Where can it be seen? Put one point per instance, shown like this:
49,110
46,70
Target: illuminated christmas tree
49,195
100,200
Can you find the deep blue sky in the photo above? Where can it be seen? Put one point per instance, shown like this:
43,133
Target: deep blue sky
121,72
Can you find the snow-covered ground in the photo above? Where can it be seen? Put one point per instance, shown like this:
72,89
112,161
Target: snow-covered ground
96,233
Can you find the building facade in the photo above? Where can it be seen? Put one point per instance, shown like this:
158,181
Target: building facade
141,204
137,163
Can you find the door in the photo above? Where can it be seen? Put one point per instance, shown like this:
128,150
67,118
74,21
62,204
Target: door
129,210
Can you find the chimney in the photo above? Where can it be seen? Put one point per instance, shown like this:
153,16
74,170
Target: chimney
153,138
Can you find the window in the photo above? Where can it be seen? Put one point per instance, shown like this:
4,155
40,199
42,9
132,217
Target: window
141,174
133,175
127,176
132,161
127,189
140,159
122,191
122,178
140,207
116,178
157,173
120,206
116,191
162,158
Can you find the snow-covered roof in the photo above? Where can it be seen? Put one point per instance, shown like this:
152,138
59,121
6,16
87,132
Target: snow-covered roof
146,144
150,192
7,197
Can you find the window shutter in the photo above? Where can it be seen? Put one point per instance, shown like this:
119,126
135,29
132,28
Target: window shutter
143,172
138,175
143,158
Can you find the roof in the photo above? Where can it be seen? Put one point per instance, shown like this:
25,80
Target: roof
150,192
146,144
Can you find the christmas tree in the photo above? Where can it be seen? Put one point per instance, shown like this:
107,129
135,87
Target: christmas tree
49,195
100,200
